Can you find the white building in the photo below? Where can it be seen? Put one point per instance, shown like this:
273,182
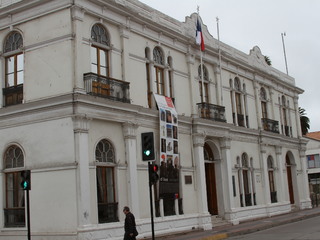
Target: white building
313,165
78,80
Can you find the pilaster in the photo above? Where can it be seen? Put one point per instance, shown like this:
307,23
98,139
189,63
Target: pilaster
81,136
225,145
280,176
198,143
130,138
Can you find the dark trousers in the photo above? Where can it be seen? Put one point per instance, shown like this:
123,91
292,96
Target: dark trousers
128,237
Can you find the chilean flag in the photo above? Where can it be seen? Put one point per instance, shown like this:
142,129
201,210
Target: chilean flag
199,36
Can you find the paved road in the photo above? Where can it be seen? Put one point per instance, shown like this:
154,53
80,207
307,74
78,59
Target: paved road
308,229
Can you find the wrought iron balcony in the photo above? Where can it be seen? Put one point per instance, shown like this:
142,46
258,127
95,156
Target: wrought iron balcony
13,95
108,212
211,111
270,125
106,87
273,196
14,217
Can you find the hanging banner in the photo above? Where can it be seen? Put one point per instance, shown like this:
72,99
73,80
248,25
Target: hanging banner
169,147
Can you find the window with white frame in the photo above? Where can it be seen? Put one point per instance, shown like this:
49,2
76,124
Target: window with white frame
272,185
14,69
158,58
106,196
99,50
313,161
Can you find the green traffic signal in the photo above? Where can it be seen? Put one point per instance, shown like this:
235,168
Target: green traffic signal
147,152
147,144
25,185
26,180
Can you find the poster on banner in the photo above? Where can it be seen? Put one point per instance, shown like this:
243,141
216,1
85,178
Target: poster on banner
169,147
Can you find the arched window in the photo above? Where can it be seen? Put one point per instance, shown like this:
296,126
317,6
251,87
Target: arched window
237,85
106,197
158,58
263,99
207,152
14,210
14,69
204,96
284,124
99,50
245,182
273,192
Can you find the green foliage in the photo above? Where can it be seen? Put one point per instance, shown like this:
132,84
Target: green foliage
267,59
304,121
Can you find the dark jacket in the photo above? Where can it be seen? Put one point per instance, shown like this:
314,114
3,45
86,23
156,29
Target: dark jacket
129,226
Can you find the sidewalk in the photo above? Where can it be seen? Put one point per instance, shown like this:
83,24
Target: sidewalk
223,232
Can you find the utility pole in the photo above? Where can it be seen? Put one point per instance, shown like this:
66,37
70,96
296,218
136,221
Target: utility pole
284,51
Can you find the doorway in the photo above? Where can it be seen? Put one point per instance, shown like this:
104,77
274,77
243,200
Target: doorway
289,175
210,180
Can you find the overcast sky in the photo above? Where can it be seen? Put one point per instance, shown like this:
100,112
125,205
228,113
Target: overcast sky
244,24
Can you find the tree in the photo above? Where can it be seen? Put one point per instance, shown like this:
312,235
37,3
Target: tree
304,121
267,59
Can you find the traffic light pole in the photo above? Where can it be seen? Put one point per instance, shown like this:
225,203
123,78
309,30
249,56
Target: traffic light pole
28,215
151,205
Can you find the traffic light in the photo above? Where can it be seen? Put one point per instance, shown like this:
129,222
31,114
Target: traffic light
153,173
26,180
147,145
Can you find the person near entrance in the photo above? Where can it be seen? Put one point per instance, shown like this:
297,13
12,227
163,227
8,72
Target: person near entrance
130,231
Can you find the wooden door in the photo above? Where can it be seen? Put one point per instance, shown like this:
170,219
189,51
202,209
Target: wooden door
289,175
211,189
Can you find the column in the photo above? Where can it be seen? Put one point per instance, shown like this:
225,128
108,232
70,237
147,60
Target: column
192,84
77,23
280,176
130,138
258,104
297,115
265,175
124,34
272,103
227,187
217,76
81,137
198,143
304,177
244,110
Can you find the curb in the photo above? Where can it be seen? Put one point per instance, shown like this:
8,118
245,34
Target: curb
261,227
216,237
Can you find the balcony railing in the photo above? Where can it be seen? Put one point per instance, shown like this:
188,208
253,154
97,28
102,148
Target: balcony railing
240,120
211,111
13,95
273,196
108,212
286,130
14,217
270,125
106,87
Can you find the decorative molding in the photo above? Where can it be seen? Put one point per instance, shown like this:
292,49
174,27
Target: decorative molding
81,123
130,130
198,139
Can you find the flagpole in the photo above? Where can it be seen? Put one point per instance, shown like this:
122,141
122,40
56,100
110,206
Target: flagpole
201,66
220,68
284,51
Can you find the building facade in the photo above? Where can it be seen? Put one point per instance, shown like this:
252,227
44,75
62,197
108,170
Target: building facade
82,79
313,166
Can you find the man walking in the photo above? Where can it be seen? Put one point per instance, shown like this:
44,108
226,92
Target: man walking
130,231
